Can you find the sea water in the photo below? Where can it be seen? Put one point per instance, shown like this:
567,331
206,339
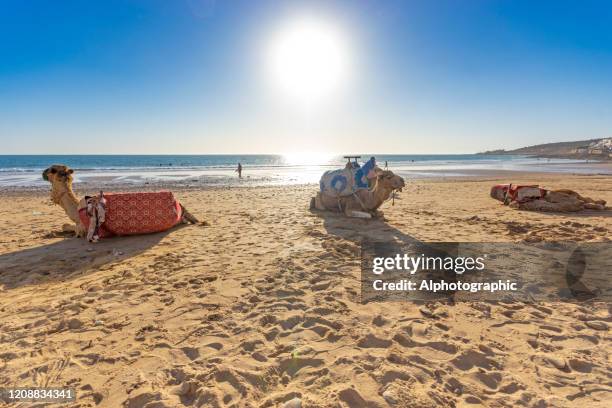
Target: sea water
25,170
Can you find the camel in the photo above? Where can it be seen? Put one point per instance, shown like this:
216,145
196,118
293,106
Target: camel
561,201
60,177
363,203
540,199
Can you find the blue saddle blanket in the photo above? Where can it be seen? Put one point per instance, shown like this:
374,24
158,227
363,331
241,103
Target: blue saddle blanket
344,182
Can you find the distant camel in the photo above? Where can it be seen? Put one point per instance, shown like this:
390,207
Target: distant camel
60,177
363,203
534,198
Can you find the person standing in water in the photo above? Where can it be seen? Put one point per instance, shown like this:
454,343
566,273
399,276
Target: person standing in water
239,170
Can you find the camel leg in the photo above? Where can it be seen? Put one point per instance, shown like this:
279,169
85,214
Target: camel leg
69,228
594,206
188,217
565,202
78,229
588,200
357,214
81,231
316,203
581,198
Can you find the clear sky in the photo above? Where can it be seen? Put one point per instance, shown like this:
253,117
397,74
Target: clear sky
198,76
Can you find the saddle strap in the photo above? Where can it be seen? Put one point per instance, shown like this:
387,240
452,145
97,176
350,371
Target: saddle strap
360,202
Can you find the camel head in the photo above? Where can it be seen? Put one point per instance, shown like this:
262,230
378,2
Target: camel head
389,180
60,177
58,173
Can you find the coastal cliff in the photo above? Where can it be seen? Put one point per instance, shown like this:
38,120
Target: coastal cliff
595,149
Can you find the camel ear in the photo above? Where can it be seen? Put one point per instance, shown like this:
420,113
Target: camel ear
70,171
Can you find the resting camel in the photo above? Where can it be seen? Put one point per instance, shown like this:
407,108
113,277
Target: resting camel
561,201
364,203
539,199
60,177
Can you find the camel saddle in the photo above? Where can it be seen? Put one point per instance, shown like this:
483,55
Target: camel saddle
344,182
136,213
512,192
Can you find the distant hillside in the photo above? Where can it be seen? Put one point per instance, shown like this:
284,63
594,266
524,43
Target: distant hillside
592,148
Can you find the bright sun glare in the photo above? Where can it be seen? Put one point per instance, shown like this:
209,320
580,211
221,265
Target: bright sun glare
308,60
307,158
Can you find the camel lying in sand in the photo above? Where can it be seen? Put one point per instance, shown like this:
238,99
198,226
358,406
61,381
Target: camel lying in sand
60,177
534,198
561,201
364,203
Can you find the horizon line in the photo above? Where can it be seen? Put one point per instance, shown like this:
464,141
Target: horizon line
237,154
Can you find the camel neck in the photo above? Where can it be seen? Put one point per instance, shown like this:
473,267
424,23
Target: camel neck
62,195
381,193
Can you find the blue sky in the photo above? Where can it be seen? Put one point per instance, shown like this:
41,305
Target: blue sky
189,76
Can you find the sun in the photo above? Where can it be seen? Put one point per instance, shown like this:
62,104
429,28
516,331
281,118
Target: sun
308,60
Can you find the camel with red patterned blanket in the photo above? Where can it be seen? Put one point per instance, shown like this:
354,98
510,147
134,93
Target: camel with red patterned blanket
535,198
141,208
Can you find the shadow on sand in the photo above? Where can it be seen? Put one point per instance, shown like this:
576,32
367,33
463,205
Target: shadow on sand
71,257
365,231
376,237
356,229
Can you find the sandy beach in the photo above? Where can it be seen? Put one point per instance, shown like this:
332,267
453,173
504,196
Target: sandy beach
263,306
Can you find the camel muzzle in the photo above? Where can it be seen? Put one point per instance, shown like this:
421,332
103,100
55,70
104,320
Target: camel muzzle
402,184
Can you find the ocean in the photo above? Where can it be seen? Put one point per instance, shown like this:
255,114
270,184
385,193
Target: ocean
25,170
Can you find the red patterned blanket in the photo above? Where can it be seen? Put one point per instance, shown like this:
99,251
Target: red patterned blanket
137,213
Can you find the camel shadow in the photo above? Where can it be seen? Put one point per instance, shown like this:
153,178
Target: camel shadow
376,238
357,229
70,257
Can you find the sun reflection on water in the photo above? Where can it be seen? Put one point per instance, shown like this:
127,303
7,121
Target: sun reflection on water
307,158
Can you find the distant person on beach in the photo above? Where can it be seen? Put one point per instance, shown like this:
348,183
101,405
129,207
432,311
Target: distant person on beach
239,170
386,167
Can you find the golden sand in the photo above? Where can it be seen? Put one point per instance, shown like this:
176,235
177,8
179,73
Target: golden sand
262,307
